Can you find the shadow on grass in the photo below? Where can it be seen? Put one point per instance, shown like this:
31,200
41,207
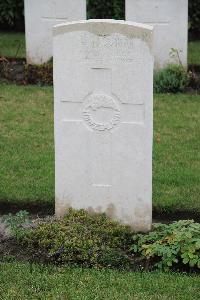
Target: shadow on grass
48,208
166,216
40,209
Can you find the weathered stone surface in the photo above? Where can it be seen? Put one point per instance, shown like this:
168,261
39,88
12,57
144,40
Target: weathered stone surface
170,21
103,88
40,17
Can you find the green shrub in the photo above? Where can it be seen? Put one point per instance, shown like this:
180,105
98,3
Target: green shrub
104,9
171,79
96,241
172,245
194,16
83,239
12,14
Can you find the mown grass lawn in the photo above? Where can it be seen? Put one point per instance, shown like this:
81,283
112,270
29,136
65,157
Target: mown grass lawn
27,150
31,281
194,53
12,44
176,156
26,144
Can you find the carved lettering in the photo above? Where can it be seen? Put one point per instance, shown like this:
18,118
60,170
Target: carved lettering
113,47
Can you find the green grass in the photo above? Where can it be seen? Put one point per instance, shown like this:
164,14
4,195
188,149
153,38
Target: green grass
27,152
12,44
26,144
176,152
29,281
194,53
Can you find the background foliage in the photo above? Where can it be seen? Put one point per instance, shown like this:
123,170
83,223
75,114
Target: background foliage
171,79
194,16
99,9
12,12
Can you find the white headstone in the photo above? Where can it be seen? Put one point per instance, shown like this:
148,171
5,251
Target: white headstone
103,89
40,17
170,21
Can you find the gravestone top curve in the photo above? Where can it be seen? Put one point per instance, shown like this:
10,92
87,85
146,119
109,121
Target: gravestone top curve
108,26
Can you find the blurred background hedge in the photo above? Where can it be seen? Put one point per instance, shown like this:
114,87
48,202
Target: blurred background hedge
194,17
12,16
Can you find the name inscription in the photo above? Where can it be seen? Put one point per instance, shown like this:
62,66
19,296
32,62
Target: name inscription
110,47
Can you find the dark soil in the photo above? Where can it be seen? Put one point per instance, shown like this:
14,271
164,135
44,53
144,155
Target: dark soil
15,70
12,250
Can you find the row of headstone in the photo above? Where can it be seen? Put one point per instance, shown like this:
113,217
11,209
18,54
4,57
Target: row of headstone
103,91
170,21
40,17
169,18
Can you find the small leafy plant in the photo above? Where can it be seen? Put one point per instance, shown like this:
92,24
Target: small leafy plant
175,54
15,223
172,245
171,79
